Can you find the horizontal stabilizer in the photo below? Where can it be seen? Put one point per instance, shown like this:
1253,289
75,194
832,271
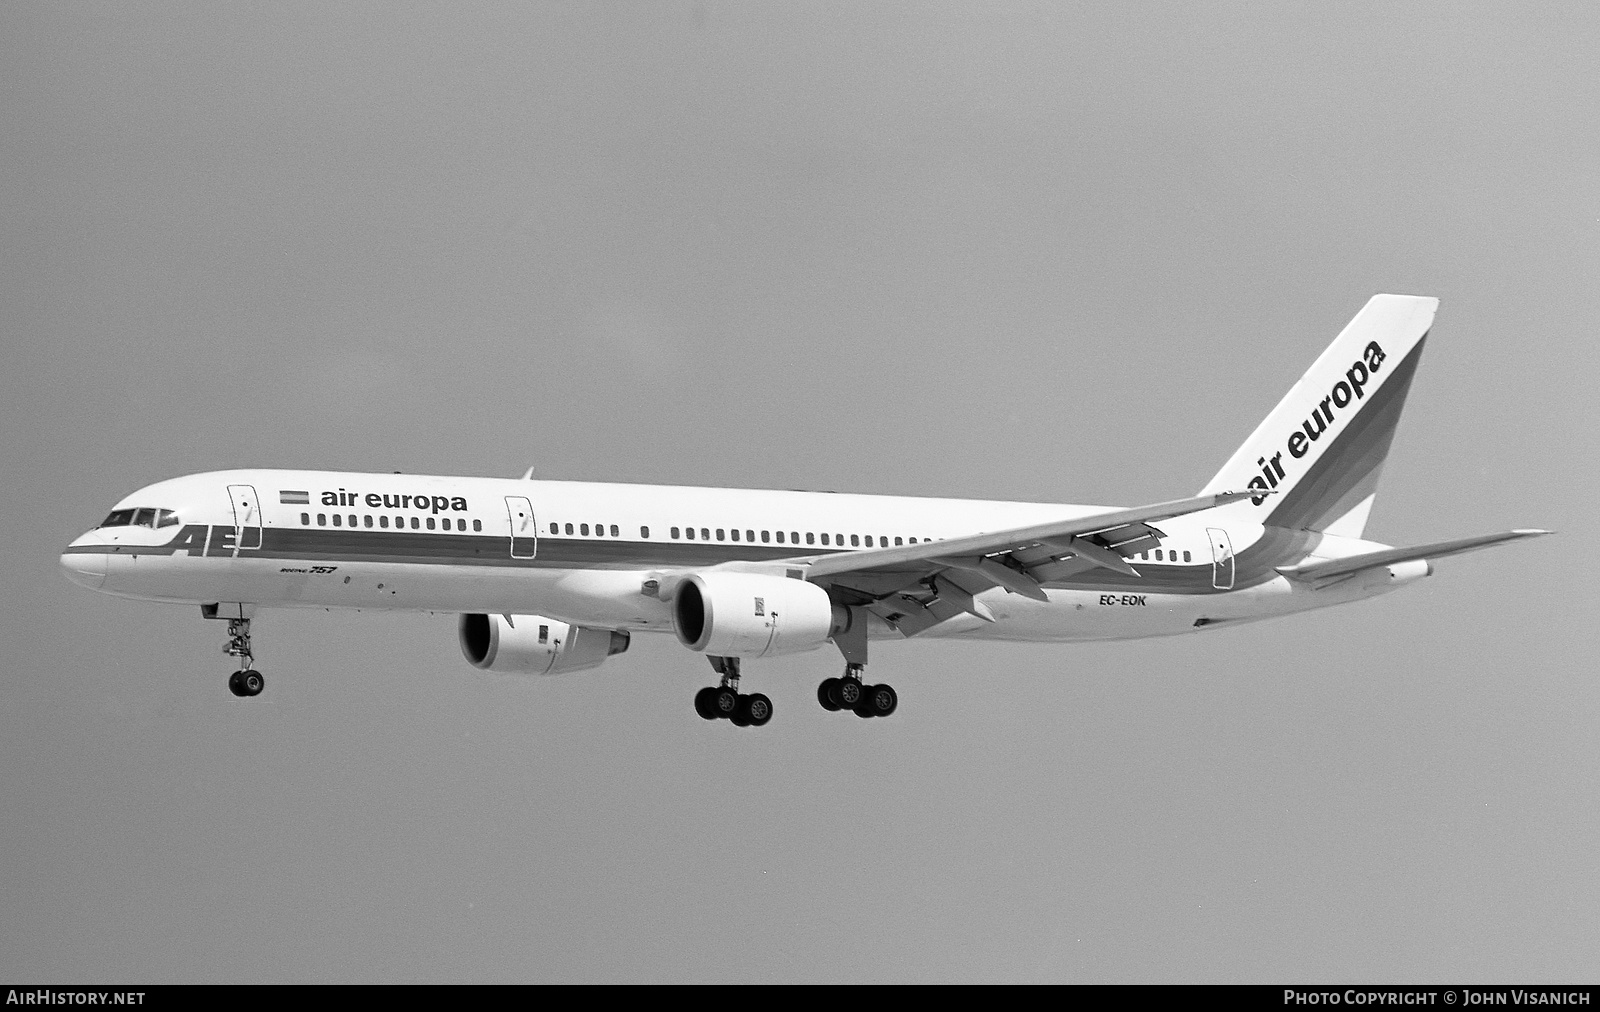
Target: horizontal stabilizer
1324,570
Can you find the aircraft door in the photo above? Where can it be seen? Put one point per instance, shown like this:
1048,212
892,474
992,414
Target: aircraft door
1221,559
246,517
524,531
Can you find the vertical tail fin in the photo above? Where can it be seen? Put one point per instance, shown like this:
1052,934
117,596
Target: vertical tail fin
1322,448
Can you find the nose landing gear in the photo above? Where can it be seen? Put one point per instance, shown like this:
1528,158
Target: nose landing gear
725,702
246,681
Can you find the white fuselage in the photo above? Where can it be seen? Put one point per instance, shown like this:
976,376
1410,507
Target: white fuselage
584,552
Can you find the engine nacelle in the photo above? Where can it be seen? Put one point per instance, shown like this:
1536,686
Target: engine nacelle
535,645
751,615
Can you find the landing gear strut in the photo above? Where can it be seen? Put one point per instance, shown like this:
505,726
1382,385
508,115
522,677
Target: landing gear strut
851,693
725,702
246,681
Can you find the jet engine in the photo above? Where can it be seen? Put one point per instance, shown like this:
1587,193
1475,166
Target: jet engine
535,645
751,615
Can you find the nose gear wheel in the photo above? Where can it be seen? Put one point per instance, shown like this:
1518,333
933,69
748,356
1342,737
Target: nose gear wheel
246,681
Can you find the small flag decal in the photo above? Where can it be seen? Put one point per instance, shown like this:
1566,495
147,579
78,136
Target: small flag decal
291,496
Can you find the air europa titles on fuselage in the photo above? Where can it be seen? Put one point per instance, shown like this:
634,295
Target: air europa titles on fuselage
1344,393
377,501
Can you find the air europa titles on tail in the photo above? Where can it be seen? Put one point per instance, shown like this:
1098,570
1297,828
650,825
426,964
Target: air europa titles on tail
551,577
1344,392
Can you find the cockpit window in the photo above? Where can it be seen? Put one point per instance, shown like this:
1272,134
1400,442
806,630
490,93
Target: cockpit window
143,516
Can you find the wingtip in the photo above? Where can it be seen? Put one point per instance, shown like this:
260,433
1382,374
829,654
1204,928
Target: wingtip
1531,532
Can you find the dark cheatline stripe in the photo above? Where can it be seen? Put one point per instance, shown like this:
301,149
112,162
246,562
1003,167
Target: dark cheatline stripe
1348,471
334,544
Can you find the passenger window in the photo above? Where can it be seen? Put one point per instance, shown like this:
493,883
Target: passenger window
794,537
614,532
674,532
869,541
399,522
383,521
838,539
735,533
477,525
1144,555
688,532
749,535
583,529
855,541
415,523
322,519
705,534
824,539
569,528
305,519
644,532
720,532
1158,555
811,538
766,536
780,537
337,520
368,519
430,523
1185,556
897,541
555,528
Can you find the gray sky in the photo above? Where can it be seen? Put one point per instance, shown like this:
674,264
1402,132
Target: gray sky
1011,252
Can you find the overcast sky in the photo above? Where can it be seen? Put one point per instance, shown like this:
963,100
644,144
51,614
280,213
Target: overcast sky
1007,251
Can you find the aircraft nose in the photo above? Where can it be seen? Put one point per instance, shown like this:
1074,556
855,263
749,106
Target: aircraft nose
84,561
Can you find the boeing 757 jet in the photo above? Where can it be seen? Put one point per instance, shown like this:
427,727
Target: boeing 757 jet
549,577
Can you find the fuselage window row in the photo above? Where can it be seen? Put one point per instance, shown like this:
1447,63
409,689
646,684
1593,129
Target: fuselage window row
1171,555
769,536
442,524
168,518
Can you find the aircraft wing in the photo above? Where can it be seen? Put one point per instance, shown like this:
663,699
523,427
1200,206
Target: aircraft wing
1322,572
1020,560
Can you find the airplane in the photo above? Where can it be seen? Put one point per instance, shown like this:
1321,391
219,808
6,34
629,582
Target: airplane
550,577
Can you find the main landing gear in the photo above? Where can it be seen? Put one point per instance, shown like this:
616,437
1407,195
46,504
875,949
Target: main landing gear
246,681
850,693
726,702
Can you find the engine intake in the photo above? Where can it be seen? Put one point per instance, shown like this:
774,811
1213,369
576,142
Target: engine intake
751,615
535,645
